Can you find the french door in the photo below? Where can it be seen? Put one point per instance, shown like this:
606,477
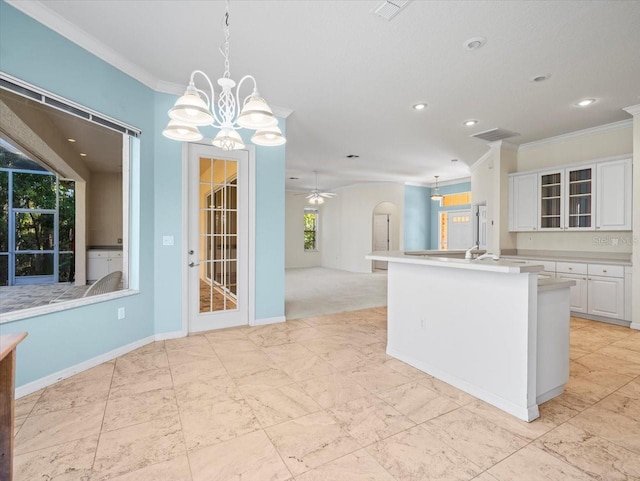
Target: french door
218,238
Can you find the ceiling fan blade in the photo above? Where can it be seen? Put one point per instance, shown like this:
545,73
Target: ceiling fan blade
310,196
328,194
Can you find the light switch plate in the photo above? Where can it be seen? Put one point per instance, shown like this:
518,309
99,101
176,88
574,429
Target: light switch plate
167,240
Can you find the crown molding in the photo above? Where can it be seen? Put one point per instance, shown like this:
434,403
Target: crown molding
442,183
52,20
44,15
633,110
622,124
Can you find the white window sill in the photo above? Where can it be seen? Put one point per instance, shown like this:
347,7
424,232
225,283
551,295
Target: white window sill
311,250
63,306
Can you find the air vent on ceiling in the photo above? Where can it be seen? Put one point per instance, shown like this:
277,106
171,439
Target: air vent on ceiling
493,135
389,9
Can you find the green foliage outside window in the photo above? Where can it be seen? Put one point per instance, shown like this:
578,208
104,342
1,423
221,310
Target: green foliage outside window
310,230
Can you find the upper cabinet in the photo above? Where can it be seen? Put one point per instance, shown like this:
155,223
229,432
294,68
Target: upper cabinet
523,208
579,205
551,200
584,197
613,207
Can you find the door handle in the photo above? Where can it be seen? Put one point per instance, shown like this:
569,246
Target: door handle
191,252
193,264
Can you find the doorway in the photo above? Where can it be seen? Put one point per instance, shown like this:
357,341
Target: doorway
385,231
218,238
455,230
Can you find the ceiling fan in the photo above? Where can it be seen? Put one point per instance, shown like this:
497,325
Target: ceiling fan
315,196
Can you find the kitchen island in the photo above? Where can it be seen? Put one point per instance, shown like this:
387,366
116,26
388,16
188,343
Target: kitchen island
489,328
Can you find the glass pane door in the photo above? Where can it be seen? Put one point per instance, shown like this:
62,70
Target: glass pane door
551,201
35,246
580,188
218,234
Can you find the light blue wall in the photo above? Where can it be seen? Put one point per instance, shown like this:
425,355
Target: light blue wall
168,221
436,208
33,53
421,214
417,214
270,220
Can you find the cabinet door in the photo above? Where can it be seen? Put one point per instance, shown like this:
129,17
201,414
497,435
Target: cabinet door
97,267
613,209
578,293
579,204
606,296
551,215
115,264
525,205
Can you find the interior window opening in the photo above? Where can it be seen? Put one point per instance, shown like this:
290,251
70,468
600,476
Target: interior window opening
64,206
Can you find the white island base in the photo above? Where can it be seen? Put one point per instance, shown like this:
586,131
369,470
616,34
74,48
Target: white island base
486,327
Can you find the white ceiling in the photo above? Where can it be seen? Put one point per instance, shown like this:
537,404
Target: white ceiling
351,78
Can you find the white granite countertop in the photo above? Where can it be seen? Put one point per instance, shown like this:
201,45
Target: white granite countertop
441,260
577,258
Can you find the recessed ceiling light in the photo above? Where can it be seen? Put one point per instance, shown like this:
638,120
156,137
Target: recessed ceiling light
454,160
419,106
541,78
470,122
294,178
474,43
353,156
585,102
71,140
82,154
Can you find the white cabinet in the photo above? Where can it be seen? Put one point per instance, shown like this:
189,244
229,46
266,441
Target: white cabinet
551,215
578,293
613,210
579,206
102,262
582,197
606,296
523,205
627,293
599,288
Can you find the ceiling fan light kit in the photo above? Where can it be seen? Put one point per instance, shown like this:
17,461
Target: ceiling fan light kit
196,109
316,197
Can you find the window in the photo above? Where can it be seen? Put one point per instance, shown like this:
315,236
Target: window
69,184
450,200
310,229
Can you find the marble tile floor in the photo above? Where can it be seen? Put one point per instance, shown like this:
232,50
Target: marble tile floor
319,400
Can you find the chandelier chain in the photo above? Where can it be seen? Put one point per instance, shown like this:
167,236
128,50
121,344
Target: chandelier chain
225,52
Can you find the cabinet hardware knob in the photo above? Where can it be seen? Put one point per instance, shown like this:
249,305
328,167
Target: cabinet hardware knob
570,268
604,270
584,278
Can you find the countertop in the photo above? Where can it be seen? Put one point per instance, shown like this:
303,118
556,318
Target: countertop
105,248
441,260
562,258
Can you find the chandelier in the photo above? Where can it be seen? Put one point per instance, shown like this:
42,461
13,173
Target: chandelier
436,193
196,109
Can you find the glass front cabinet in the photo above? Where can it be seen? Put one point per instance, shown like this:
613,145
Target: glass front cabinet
566,199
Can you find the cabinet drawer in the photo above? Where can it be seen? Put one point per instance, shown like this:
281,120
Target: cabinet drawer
115,253
571,267
97,254
605,270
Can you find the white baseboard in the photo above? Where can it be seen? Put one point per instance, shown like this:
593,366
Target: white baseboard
43,382
525,413
635,325
170,335
268,320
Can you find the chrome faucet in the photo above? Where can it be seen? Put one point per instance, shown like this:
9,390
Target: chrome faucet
467,255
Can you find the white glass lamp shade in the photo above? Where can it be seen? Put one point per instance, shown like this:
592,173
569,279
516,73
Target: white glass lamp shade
269,137
178,131
228,139
436,196
256,114
316,200
191,109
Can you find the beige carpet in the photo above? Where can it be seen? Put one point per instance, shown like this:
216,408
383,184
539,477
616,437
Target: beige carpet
316,291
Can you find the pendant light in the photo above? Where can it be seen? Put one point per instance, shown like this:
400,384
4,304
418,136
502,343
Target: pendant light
436,192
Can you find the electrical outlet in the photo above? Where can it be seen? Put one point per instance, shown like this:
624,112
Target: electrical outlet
167,240
120,313
614,241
